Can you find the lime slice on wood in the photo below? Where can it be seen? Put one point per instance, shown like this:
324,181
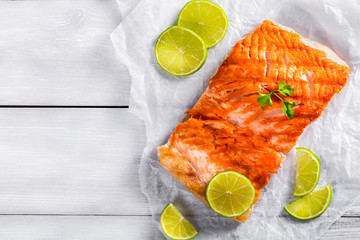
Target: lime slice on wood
230,194
205,18
180,51
174,225
312,205
308,172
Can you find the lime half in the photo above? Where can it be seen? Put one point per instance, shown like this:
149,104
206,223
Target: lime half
180,51
308,172
230,194
206,19
174,225
312,205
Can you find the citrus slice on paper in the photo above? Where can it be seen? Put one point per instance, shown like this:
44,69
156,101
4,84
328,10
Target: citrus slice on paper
174,225
180,51
230,194
205,18
311,205
307,173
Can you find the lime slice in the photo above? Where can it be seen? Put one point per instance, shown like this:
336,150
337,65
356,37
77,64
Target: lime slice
180,51
206,19
230,194
174,225
308,172
312,205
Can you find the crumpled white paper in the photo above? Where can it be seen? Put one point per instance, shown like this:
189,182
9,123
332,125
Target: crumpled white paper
161,100
126,6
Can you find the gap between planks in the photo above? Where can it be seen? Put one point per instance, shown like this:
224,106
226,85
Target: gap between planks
58,106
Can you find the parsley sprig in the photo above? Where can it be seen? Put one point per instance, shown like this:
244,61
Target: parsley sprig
285,90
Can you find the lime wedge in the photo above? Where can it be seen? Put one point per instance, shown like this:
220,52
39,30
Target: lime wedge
312,205
206,19
174,225
180,51
230,194
308,172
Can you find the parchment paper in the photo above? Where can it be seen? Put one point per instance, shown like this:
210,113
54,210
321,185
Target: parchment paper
126,6
161,100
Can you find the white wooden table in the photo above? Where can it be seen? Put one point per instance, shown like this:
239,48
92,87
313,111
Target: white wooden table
69,148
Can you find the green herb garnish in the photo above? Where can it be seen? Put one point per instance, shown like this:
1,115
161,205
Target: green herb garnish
285,90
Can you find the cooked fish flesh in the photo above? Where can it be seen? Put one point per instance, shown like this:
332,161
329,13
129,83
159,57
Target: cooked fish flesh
228,130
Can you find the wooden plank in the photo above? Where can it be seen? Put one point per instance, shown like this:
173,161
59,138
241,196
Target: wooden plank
75,228
70,161
345,228
60,53
354,211
117,227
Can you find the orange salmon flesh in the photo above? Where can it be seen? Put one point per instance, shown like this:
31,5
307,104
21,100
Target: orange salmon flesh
228,130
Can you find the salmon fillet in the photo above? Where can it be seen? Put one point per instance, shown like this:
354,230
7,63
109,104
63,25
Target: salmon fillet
228,130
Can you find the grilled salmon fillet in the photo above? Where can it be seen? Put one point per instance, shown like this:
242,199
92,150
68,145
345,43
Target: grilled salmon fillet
227,129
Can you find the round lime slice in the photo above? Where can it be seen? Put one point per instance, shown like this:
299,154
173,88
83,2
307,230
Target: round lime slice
180,51
308,172
206,19
312,205
230,194
174,225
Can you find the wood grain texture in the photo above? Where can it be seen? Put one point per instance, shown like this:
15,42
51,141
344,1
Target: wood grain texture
345,228
75,228
354,211
117,227
70,161
80,162
60,53
77,162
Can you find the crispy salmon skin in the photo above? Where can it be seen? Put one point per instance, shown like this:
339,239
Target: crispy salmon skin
228,130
